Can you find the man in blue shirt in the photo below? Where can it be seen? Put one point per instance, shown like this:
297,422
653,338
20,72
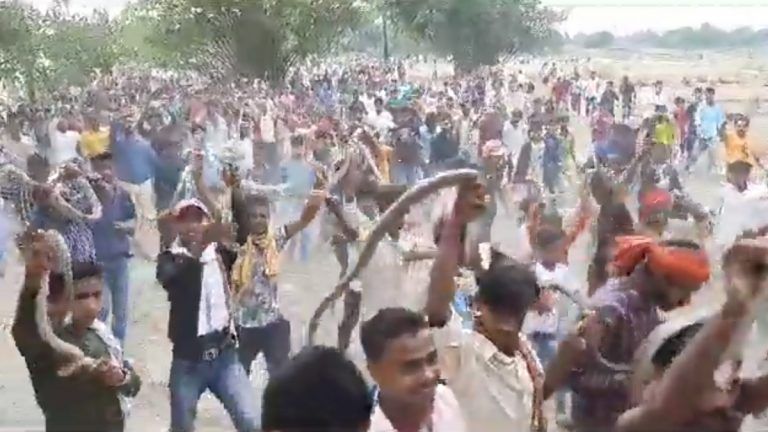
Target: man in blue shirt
710,127
135,164
112,238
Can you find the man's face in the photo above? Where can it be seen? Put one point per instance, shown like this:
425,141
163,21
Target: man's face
710,97
499,327
408,369
741,128
86,304
191,229
258,218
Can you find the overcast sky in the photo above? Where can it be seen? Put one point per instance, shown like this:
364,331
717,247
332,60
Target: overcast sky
617,16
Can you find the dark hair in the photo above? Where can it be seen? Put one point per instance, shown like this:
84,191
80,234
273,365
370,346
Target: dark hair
102,157
85,270
710,90
297,141
547,236
674,345
318,390
508,287
379,100
388,324
739,166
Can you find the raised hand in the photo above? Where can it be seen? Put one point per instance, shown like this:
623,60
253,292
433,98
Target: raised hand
746,270
471,202
38,253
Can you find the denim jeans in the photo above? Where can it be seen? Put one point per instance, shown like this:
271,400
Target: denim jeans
225,377
116,298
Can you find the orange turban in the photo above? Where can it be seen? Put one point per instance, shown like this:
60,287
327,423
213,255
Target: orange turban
686,266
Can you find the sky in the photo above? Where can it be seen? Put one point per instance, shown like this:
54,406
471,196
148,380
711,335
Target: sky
620,17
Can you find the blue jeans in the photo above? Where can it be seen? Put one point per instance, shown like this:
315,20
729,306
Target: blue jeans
545,346
116,296
225,377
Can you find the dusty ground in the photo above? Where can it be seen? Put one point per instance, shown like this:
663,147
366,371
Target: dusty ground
149,347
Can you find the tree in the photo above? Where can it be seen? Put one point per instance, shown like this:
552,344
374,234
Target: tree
477,32
601,39
259,38
45,52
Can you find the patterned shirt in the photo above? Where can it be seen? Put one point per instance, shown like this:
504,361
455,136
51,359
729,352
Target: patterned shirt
601,395
258,305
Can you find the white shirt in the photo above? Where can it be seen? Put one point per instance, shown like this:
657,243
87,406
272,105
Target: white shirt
495,391
446,415
267,127
593,87
513,139
546,322
740,211
213,313
63,146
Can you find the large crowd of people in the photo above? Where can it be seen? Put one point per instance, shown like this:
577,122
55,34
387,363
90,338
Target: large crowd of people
446,327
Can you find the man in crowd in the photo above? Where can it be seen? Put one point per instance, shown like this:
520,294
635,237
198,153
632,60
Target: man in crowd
194,274
403,361
112,237
317,390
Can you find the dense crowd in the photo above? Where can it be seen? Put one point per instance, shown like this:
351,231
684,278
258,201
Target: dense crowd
406,180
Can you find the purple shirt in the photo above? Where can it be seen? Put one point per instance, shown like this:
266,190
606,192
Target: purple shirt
601,395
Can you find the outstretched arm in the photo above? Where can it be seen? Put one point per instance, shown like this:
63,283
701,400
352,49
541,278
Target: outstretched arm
315,201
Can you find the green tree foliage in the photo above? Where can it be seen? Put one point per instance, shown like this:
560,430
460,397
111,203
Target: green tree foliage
45,52
704,37
477,32
261,38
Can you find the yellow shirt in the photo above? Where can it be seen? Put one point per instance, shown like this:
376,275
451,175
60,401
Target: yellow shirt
382,162
94,143
737,148
664,133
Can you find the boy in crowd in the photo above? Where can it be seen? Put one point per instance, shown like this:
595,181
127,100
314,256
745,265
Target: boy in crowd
402,359
86,400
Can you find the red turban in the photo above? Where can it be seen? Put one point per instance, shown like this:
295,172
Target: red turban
681,265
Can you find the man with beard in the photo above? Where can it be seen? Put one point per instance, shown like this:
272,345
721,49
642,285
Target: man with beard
687,378
648,276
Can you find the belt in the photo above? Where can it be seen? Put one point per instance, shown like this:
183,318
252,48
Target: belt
211,351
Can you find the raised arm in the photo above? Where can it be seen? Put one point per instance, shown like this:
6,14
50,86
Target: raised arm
308,213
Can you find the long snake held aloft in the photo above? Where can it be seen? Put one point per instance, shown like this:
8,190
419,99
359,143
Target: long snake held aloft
397,211
73,357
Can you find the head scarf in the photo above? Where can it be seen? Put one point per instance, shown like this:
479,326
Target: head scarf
654,201
686,266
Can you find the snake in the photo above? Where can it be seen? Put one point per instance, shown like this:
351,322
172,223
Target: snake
75,359
396,212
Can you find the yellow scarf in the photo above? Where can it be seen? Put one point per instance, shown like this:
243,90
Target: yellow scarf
256,246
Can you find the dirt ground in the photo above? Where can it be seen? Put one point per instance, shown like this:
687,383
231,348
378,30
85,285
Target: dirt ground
302,287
